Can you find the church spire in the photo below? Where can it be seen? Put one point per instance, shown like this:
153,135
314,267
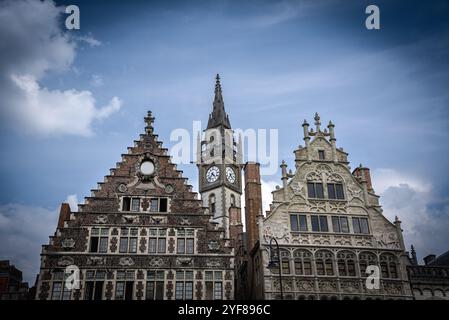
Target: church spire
218,117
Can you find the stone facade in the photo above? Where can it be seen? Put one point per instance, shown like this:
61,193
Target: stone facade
142,234
329,226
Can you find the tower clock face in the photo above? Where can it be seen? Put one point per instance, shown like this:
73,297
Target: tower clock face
212,174
230,175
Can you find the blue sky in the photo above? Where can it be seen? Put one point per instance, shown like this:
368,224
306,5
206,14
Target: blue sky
280,62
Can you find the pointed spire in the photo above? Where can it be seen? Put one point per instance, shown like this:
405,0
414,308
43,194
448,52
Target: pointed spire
218,117
317,122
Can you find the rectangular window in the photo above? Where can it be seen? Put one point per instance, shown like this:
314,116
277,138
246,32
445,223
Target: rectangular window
56,291
340,224
179,290
181,245
323,224
319,223
315,190
294,222
97,243
123,245
360,225
189,290
320,268
189,245
155,285
218,291
307,268
93,244
135,204
161,245
120,290
335,191
298,222
126,204
152,245
154,205
103,245
133,245
321,154
163,205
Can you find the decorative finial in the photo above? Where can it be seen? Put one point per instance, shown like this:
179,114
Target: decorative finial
217,84
317,122
149,120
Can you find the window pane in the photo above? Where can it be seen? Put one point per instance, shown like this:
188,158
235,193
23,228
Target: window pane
209,290
163,205
294,222
56,292
179,290
152,245
364,225
329,268
150,290
315,224
320,268
319,190
285,266
217,291
323,224
159,290
307,268
302,223
311,190
154,205
189,275
342,268
336,224
181,245
135,204
356,225
189,290
104,231
339,191
150,275
95,232
298,266
120,291
331,191
126,204
160,275
65,293
209,275
124,231
321,154
94,244
134,231
103,245
133,245
123,245
161,245
351,268
89,292
153,232
218,275
344,224
189,246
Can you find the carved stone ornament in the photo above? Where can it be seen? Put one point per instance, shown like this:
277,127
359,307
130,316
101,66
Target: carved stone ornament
184,262
65,261
280,232
158,220
213,263
185,221
130,219
156,262
126,261
102,218
96,261
169,188
68,243
122,188
213,245
387,240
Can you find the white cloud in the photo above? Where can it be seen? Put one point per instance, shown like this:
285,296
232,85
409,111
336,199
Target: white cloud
96,80
23,229
90,40
53,111
72,200
36,47
425,220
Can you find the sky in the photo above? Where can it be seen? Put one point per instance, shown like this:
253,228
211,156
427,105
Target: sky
74,100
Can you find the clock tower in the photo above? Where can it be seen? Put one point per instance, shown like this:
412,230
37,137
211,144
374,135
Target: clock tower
219,160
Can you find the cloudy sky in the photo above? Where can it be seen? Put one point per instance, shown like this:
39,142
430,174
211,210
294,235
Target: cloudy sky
73,100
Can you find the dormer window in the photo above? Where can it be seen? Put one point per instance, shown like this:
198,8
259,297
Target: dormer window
321,155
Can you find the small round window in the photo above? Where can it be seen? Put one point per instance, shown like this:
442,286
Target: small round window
147,167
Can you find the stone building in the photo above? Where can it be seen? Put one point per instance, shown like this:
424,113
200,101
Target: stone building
431,280
143,233
12,286
329,226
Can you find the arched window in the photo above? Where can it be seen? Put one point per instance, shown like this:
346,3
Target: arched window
366,259
303,262
346,264
212,203
324,263
388,266
232,200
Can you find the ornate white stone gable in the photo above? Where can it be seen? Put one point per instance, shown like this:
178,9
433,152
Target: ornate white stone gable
387,240
280,232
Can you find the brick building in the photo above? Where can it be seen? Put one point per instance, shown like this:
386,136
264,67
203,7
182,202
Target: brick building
143,233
